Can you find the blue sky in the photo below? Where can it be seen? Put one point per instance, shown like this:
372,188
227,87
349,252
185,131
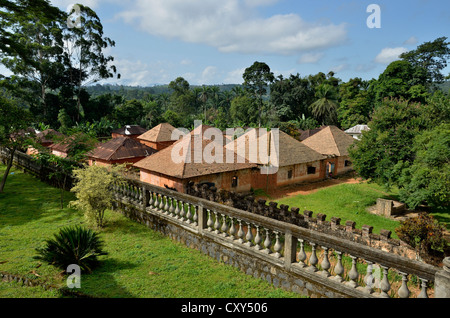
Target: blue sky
213,41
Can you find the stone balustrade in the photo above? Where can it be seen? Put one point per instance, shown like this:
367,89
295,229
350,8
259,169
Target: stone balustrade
334,266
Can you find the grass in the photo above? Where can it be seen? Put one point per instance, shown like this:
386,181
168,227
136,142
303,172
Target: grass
348,202
140,263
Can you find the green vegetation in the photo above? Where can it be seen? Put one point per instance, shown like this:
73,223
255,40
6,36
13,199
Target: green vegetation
72,245
140,262
348,202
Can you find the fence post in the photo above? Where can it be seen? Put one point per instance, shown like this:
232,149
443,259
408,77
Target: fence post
442,280
290,250
202,219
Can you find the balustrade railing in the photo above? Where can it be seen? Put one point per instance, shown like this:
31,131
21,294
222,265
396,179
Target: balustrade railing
365,271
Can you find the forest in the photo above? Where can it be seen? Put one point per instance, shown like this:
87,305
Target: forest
56,70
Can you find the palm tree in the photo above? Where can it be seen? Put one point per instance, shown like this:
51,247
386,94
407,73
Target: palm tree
324,109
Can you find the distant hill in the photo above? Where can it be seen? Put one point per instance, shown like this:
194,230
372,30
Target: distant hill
138,92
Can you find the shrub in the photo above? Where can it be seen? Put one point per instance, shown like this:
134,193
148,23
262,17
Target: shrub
73,245
423,233
93,191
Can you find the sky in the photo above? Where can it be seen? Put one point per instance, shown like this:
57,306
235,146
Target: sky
210,42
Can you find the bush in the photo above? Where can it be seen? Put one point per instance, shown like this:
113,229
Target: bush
73,245
423,233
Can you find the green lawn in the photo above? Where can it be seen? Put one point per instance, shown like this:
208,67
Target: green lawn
140,262
347,201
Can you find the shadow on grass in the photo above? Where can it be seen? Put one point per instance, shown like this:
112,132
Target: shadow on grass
101,282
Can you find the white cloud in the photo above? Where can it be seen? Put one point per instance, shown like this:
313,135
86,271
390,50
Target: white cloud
209,75
340,68
310,58
138,73
235,76
388,55
232,26
411,41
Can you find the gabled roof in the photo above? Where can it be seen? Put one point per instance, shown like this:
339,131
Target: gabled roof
175,162
130,130
120,148
160,133
330,141
290,150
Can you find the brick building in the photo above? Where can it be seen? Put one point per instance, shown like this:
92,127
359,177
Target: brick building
334,144
120,150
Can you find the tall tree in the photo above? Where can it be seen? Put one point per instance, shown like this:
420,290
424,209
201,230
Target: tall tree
10,10
256,80
324,109
36,59
14,122
432,57
291,97
84,55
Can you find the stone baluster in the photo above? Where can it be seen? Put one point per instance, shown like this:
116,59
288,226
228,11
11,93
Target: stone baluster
177,209
277,247
249,236
423,292
210,222
166,205
140,194
267,242
189,214
313,259
172,206
353,274
240,233
325,262
216,223
152,201
302,254
258,239
224,227
182,211
384,285
403,291
369,279
339,268
195,217
232,228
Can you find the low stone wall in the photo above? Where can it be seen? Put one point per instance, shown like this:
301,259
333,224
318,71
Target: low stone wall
246,259
348,231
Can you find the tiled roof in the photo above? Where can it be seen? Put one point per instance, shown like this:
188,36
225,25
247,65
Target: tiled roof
330,141
290,150
120,148
174,162
160,133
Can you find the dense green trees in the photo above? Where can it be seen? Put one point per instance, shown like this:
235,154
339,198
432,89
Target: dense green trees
55,65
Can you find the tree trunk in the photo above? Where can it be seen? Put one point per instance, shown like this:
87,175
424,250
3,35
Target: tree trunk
8,168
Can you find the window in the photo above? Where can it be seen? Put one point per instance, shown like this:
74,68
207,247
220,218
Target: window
234,182
290,174
348,163
311,170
